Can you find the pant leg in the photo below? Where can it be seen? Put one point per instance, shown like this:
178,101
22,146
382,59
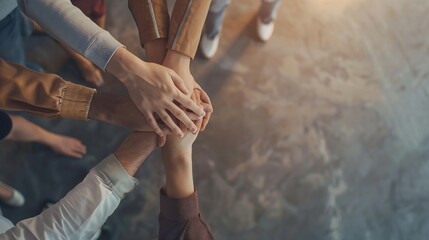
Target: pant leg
215,17
12,48
268,10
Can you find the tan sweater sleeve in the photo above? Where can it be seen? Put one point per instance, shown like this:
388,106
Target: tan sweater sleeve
184,29
41,94
151,17
187,22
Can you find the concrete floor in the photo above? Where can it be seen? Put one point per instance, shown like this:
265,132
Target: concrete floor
320,133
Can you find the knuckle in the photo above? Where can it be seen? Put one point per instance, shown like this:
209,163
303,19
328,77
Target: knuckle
152,121
178,113
165,117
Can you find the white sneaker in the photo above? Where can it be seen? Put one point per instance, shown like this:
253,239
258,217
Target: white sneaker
264,30
17,199
209,46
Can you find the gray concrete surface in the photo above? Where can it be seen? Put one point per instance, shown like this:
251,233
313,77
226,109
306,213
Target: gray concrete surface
321,133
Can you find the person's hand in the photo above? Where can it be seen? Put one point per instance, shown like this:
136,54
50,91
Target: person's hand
66,145
182,147
136,148
121,111
177,158
155,89
206,103
181,65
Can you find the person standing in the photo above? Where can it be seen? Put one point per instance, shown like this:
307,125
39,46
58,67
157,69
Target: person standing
213,27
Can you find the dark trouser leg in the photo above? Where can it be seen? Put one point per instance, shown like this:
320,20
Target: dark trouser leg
268,10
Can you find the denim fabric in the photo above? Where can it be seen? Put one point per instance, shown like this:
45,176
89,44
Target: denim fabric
13,28
11,48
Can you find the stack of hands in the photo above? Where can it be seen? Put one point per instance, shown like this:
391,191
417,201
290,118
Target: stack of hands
163,95
164,99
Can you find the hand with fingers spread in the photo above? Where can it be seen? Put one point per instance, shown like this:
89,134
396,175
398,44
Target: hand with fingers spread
206,103
180,63
67,146
155,90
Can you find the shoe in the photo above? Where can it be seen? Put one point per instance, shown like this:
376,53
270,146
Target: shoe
209,45
212,31
266,20
264,30
16,200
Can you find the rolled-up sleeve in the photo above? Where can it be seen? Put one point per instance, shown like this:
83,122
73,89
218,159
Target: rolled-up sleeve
82,212
65,22
183,30
151,17
187,22
41,94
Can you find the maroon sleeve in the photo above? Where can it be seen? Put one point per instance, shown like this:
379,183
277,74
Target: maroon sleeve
180,219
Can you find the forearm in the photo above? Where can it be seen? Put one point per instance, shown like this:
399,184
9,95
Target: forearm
41,94
26,131
180,214
181,63
81,213
117,110
155,50
178,172
70,26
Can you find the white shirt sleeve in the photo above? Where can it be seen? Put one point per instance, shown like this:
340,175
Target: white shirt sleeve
82,212
67,23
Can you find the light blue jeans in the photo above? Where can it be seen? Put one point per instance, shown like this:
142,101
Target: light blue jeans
12,30
217,12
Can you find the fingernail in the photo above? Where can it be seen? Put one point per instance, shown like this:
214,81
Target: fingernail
194,130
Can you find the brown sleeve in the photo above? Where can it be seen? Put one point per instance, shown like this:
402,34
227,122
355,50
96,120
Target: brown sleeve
180,219
151,17
187,22
41,94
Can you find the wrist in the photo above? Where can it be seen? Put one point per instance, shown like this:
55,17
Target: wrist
181,157
98,108
134,150
46,138
177,59
155,50
130,168
121,65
